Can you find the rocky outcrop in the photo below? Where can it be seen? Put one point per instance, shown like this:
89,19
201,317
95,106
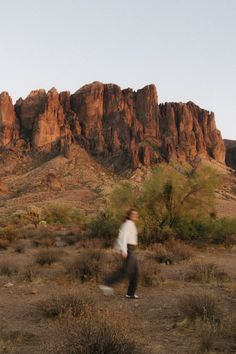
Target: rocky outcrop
230,158
8,123
124,126
189,131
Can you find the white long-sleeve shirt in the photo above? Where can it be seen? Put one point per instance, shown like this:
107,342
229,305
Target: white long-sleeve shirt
128,235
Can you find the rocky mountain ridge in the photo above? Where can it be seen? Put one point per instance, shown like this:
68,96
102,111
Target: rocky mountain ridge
123,127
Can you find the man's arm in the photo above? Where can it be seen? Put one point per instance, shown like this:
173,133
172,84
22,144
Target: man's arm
124,239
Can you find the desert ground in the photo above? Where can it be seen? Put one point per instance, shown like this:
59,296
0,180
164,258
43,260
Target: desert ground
32,283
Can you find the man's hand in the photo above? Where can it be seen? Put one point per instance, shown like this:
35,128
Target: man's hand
124,255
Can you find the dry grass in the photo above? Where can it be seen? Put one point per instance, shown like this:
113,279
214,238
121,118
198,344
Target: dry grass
215,337
200,305
93,333
172,251
48,256
4,244
11,340
208,333
30,273
10,233
150,273
87,266
7,268
57,305
206,273
19,247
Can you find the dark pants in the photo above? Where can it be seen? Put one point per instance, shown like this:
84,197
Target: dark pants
128,269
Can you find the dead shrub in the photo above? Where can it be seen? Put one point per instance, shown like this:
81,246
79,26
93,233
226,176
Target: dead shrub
48,256
93,333
4,244
46,242
14,338
208,333
202,306
10,233
71,238
150,273
180,250
7,268
172,251
88,265
31,273
60,304
161,254
228,330
206,273
217,337
19,247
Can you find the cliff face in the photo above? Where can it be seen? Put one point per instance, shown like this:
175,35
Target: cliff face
8,123
230,157
111,122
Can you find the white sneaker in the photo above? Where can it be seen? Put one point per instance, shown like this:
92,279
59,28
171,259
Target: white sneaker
107,290
135,296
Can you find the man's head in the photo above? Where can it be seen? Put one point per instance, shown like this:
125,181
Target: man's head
132,215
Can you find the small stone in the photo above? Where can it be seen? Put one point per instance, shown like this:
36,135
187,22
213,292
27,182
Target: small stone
34,291
8,285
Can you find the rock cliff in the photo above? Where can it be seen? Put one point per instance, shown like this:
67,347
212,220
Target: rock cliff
114,124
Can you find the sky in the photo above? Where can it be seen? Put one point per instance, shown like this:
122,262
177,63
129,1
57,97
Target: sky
187,48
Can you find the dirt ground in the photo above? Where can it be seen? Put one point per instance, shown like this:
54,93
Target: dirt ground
154,318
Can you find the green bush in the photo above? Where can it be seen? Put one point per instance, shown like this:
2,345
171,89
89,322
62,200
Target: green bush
105,226
207,229
64,215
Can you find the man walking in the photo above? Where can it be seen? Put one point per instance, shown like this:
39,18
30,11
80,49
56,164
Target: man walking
126,244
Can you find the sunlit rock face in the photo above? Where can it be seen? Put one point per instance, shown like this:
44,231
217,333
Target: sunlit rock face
111,123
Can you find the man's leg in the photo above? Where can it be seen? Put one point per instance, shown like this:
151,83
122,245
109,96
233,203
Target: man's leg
133,276
117,276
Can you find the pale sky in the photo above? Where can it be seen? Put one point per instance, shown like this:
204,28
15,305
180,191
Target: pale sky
187,48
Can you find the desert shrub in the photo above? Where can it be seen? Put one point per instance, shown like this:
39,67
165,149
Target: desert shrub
150,274
202,306
173,192
15,338
88,265
19,247
71,238
60,304
206,273
228,331
46,241
65,215
4,244
93,333
225,231
207,229
208,333
47,256
172,251
161,254
180,250
30,273
10,233
7,268
105,226
217,337
30,215
90,243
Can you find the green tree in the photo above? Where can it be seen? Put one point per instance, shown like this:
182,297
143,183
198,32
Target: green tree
172,193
